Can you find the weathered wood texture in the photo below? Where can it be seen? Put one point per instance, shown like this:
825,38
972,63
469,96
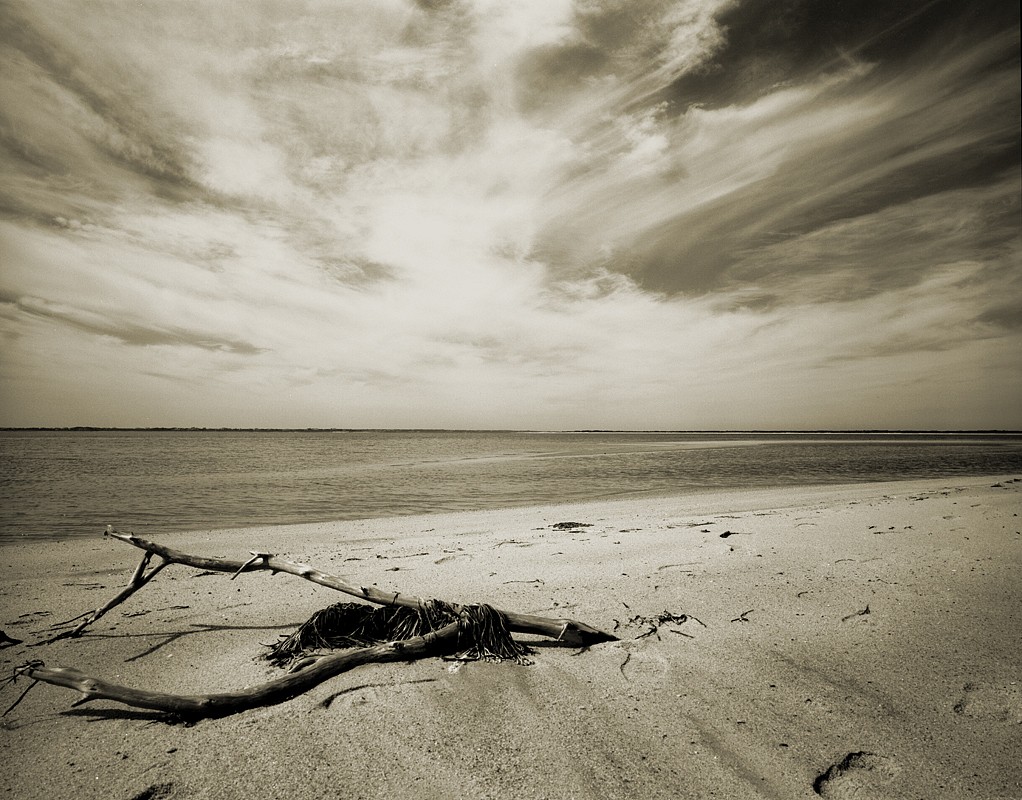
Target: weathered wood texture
307,673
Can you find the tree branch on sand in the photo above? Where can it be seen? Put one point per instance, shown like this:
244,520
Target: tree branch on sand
399,627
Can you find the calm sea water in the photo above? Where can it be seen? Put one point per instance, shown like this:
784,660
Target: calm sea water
59,484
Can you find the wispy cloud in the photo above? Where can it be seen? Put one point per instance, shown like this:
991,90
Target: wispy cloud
542,214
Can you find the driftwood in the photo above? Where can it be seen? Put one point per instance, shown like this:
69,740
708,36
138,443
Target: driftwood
138,579
225,703
478,631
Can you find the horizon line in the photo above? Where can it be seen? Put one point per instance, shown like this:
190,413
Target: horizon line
199,428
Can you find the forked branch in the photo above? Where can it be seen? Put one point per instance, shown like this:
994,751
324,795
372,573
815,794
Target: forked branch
478,625
138,579
568,631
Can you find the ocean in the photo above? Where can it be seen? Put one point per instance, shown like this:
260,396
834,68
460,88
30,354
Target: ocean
69,483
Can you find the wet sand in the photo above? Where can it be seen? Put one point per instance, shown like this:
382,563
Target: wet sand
850,641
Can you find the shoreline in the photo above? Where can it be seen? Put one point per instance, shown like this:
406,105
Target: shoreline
678,502
775,681
230,480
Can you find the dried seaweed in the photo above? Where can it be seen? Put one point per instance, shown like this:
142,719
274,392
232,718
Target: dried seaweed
483,631
653,623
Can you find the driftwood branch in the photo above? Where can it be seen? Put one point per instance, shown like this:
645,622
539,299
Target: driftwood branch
308,672
138,579
225,703
568,631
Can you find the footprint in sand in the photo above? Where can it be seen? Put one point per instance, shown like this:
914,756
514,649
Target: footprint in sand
994,701
158,791
860,775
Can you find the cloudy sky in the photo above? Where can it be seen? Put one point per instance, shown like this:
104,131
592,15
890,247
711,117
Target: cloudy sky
703,214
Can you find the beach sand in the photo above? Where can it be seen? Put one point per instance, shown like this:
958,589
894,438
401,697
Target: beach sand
779,684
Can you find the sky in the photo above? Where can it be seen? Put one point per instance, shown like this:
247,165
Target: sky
633,214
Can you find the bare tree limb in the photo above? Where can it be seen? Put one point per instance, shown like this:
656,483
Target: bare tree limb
473,624
138,579
199,706
565,630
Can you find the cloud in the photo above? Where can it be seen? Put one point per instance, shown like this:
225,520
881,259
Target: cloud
543,214
730,179
894,247
77,112
128,333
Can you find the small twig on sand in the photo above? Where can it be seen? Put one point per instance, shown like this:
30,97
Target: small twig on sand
744,616
21,697
862,613
12,679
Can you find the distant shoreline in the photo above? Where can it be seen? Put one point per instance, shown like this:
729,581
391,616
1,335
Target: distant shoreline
841,432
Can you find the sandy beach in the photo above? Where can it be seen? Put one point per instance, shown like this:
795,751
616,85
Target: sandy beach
848,641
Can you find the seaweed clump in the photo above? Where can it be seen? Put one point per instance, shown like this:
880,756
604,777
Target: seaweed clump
483,634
